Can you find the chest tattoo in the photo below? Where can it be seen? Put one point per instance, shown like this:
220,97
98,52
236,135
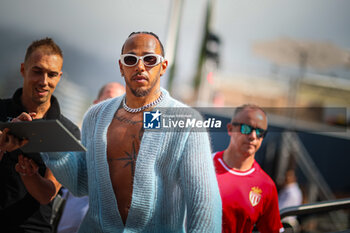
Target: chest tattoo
126,120
131,156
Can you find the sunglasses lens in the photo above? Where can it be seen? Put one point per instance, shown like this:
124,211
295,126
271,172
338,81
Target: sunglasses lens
246,129
130,60
150,60
260,133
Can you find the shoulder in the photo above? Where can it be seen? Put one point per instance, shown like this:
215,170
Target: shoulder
5,102
216,155
171,102
267,180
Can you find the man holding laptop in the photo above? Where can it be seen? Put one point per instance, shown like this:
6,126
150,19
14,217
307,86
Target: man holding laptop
27,186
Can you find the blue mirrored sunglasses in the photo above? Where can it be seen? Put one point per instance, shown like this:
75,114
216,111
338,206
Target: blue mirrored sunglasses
248,129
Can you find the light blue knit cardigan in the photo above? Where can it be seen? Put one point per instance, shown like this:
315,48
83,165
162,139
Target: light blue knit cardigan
175,188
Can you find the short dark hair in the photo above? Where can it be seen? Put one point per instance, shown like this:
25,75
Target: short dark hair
242,107
45,42
149,33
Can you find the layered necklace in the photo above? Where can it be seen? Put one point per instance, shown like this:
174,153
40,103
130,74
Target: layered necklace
136,110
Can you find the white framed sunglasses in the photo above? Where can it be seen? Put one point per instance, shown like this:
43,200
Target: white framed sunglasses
148,59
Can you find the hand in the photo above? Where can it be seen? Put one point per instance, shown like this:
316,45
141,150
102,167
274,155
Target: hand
26,167
9,142
24,117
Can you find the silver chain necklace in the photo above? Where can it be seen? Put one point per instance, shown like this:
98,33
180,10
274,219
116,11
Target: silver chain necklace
135,110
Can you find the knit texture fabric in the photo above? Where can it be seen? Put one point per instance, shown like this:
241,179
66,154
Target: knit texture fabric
175,187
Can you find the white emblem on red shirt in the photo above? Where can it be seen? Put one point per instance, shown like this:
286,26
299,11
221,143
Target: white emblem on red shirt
255,196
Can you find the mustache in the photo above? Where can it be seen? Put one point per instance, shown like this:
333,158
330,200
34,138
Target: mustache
140,74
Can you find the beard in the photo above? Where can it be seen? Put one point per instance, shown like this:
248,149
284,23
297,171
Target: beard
41,100
139,92
142,91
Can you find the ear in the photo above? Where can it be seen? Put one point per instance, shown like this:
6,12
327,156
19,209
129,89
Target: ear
22,69
163,67
121,68
229,127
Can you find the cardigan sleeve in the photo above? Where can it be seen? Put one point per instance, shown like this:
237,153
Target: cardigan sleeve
70,168
200,186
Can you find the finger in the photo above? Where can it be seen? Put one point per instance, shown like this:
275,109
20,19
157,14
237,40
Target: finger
25,117
5,131
21,163
4,136
32,114
22,117
12,143
27,163
15,120
23,142
20,159
29,168
34,165
17,142
19,168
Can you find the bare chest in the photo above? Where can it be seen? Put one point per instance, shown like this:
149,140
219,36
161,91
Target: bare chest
123,143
